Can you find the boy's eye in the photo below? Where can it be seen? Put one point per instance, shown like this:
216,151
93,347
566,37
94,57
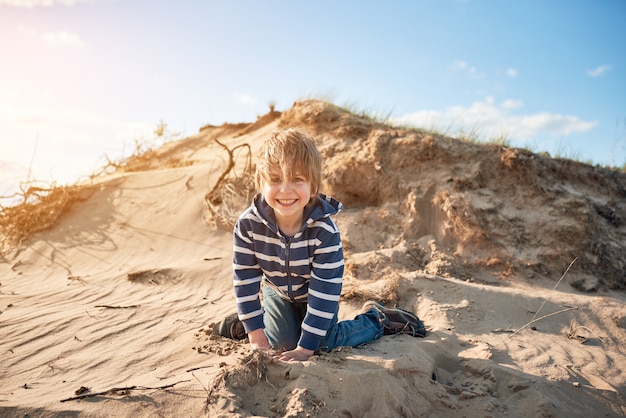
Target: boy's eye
299,179
275,180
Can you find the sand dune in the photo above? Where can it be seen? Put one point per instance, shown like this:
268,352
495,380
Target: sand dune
125,290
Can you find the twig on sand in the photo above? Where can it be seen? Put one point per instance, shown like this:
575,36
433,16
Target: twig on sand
198,368
117,307
573,332
122,391
502,330
535,319
555,286
208,392
544,317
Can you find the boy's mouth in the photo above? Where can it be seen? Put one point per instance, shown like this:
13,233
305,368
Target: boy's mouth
286,202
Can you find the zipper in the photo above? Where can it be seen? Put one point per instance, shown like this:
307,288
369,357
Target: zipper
288,270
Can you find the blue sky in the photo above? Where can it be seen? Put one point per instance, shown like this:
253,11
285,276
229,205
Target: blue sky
83,78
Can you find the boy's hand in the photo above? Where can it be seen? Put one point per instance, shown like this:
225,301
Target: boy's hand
297,354
258,340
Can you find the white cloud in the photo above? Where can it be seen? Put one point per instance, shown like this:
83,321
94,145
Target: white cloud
511,72
599,70
246,99
28,31
459,65
36,3
54,38
62,38
491,121
512,104
463,66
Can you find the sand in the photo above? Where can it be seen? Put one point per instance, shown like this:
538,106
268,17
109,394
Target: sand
112,311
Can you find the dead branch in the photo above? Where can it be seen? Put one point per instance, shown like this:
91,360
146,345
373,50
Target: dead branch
122,390
117,307
230,166
231,192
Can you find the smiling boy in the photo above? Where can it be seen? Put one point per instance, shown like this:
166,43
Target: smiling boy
287,246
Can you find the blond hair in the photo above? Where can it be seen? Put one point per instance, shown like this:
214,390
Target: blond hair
292,151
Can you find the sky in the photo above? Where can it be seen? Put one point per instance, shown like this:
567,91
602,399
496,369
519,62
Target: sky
82,80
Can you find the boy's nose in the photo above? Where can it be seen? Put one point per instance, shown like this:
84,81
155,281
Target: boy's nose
285,186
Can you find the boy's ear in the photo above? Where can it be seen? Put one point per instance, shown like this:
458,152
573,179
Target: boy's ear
258,180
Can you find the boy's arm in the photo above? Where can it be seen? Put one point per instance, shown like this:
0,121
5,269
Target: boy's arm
324,290
258,340
247,276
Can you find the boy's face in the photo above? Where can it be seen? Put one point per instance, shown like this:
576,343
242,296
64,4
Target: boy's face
288,197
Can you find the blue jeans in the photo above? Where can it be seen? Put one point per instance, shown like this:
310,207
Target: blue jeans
283,319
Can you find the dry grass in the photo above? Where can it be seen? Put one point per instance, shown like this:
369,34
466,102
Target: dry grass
385,291
145,155
38,208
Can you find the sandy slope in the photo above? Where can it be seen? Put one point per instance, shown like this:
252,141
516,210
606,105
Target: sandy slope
123,291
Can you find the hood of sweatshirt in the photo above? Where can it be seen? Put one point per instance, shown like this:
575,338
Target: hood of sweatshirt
322,206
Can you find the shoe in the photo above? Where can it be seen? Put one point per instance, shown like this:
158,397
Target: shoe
396,320
232,327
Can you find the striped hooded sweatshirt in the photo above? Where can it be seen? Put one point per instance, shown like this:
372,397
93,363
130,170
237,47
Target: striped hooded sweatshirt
307,267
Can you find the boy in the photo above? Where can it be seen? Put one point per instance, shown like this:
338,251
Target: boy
287,246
